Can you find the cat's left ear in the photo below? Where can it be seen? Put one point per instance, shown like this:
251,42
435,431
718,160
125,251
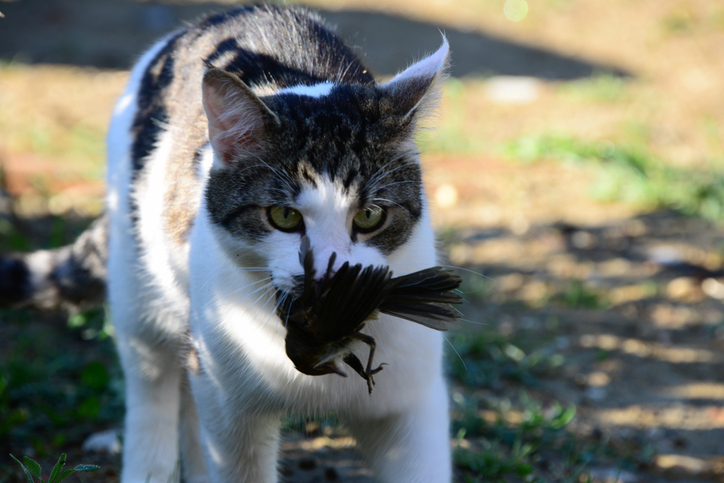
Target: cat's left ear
416,88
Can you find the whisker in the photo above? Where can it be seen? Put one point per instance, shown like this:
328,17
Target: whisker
388,201
474,322
456,352
240,289
280,175
380,173
392,184
372,184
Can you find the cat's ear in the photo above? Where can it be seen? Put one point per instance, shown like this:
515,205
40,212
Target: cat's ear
416,88
238,119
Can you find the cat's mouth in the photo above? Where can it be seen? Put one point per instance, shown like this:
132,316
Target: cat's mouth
325,316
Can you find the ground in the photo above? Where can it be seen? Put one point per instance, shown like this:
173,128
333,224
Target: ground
582,201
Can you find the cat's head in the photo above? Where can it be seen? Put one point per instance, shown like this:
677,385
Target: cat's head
336,163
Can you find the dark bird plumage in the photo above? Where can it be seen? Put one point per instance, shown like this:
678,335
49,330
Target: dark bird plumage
324,317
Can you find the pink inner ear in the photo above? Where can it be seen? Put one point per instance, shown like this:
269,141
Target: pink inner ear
235,121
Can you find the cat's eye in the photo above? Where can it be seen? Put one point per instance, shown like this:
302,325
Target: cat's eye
285,218
369,219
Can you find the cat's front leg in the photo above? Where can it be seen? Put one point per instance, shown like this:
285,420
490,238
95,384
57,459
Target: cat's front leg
241,445
409,446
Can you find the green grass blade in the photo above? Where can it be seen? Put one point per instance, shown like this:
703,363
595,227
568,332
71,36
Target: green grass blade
28,476
33,466
64,475
86,468
57,469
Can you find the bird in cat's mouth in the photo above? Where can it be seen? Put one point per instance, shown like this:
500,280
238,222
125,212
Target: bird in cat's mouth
324,316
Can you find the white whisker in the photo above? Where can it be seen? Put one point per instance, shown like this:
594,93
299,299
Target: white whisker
456,352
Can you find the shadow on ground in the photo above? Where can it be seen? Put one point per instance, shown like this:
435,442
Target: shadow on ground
113,33
636,308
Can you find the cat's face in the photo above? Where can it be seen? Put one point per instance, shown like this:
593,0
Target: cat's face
336,164
338,169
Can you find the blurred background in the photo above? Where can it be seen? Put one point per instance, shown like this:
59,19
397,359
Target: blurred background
575,171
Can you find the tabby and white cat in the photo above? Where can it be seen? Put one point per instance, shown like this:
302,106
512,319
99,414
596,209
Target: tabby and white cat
236,137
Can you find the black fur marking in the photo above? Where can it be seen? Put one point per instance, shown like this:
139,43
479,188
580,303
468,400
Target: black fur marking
152,111
15,283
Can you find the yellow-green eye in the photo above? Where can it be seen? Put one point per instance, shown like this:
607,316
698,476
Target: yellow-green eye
285,218
369,219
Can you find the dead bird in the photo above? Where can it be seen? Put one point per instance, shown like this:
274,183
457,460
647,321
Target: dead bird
327,315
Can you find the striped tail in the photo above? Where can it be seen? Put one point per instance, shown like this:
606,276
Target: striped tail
72,277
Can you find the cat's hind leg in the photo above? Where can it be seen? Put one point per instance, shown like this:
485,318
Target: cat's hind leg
148,342
151,436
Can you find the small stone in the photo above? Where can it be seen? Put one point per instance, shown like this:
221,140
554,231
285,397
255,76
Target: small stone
513,90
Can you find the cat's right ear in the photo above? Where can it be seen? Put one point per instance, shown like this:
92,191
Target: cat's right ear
238,119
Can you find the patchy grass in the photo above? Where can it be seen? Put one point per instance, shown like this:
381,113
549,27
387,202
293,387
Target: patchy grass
57,384
576,295
487,358
31,469
631,174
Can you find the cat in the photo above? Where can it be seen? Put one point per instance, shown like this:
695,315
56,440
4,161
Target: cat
237,137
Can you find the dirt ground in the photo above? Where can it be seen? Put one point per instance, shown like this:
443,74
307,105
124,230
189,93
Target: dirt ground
642,334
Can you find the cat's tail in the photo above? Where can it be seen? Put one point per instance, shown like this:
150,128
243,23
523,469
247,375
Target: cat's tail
72,277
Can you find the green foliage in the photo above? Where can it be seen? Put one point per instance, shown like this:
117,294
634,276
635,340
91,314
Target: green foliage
578,296
32,469
600,88
495,451
51,393
11,239
631,174
487,358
